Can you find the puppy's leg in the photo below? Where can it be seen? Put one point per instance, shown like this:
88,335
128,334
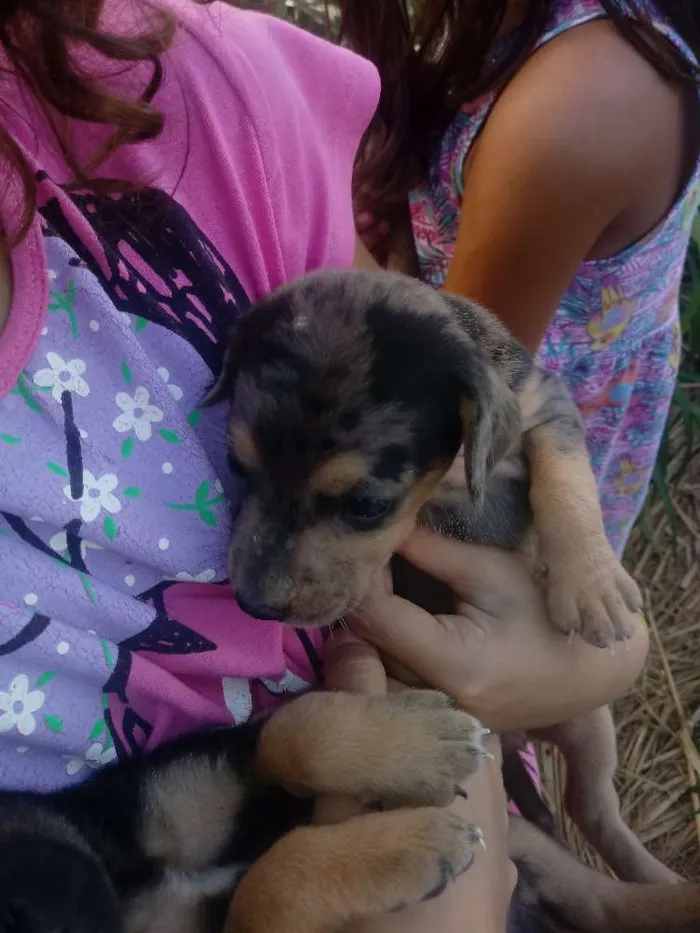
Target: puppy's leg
409,747
593,902
590,751
588,591
317,879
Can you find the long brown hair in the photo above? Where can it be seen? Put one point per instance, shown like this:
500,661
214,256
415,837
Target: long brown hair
39,39
435,58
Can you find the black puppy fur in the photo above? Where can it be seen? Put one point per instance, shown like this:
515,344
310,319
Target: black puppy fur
75,860
89,847
162,843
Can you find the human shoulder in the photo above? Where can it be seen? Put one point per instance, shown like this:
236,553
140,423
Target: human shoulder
588,108
284,112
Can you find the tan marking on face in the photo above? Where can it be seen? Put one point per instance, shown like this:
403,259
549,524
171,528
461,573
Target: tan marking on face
339,474
333,566
245,447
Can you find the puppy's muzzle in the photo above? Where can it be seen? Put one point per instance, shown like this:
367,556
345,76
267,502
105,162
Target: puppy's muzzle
257,609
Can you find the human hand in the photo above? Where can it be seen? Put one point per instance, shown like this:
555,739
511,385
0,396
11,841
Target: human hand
483,893
498,655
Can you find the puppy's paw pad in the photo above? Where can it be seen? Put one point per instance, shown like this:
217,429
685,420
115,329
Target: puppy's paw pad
596,599
436,748
452,850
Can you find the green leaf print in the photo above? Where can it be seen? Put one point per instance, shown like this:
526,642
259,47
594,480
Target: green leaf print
88,587
22,389
131,492
45,678
208,518
54,723
202,494
128,447
141,322
194,418
111,529
126,373
10,439
58,470
65,301
98,729
202,504
109,660
170,436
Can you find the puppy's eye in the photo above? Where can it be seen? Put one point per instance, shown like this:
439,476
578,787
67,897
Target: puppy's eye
366,512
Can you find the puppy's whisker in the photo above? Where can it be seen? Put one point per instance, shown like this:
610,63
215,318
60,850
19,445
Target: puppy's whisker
365,615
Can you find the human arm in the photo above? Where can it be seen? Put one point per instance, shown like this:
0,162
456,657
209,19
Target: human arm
499,655
582,154
483,892
364,260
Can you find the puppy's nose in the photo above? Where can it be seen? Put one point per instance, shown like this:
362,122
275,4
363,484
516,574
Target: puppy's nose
259,610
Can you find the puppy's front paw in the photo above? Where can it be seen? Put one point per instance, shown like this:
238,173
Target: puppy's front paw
445,848
590,593
428,748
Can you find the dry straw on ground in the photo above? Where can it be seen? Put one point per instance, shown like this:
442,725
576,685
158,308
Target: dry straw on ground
659,723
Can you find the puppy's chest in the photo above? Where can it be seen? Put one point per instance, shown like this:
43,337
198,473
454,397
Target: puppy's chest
503,519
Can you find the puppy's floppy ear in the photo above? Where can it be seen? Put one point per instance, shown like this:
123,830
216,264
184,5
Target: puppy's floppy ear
222,390
491,420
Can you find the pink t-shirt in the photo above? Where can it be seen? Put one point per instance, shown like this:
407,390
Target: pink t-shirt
117,625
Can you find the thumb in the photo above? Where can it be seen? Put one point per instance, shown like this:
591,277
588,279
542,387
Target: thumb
354,665
436,648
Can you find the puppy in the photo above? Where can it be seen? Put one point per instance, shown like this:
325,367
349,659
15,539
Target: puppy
352,395
576,898
159,844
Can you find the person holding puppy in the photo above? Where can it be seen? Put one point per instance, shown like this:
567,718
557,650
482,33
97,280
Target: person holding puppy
164,167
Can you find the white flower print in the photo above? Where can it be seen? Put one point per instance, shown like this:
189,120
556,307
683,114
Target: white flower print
59,543
62,376
97,494
206,576
137,414
18,705
97,756
174,390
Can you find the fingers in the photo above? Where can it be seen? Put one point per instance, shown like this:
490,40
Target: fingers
438,649
354,665
477,574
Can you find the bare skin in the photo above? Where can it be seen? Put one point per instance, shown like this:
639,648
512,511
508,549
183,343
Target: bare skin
499,656
565,170
483,893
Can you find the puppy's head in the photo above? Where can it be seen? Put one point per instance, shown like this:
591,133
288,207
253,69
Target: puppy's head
352,393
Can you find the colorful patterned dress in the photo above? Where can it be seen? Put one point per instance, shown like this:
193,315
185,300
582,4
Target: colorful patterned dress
615,338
